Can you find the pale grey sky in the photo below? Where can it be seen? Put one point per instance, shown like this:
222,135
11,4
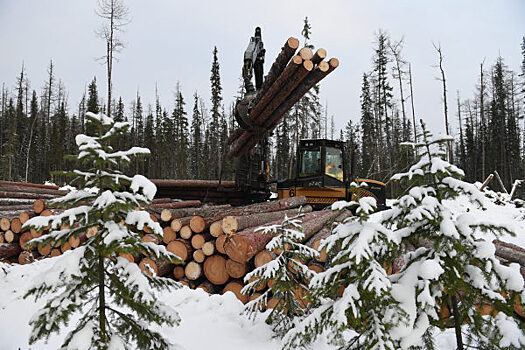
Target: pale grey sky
170,40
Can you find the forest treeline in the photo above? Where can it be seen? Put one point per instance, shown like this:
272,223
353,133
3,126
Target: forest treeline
37,128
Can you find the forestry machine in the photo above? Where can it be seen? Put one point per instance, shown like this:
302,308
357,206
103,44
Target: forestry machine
321,174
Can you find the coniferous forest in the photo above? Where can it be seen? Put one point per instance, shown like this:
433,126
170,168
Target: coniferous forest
38,126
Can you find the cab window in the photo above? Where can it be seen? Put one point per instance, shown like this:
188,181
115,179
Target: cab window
334,163
310,162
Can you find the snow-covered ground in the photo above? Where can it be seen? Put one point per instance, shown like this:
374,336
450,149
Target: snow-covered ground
208,322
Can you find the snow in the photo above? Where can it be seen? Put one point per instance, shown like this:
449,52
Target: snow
148,188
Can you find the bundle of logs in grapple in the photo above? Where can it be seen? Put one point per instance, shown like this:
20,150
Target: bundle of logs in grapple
289,79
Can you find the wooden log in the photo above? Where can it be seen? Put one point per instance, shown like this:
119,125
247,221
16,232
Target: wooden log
215,269
151,238
178,272
168,234
177,224
16,225
263,257
24,216
26,257
208,248
46,212
14,209
92,231
193,270
55,252
197,224
191,183
65,247
235,287
76,241
232,224
315,241
207,287
486,182
510,252
216,228
35,190
235,269
204,211
242,246
25,195
39,205
7,202
2,238
23,239
219,244
319,55
161,200
8,250
149,267
185,232
306,53
5,224
129,257
314,266
27,184
258,287
176,205
181,248
286,53
198,256
165,215
44,249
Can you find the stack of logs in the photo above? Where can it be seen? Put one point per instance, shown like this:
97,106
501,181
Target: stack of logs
219,244
291,76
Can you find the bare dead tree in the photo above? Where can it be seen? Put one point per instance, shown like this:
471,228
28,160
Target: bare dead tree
395,48
117,16
412,103
445,107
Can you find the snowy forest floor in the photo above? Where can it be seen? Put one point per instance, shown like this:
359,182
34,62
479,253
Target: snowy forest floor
208,321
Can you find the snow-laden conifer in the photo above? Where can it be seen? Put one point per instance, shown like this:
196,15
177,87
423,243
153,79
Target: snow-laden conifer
352,301
287,276
113,301
451,272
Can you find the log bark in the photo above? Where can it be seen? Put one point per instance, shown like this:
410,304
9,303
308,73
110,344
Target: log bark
232,224
6,202
326,231
215,269
204,211
8,250
34,190
510,252
2,238
25,195
151,238
207,287
161,200
27,184
242,246
235,269
235,287
193,271
181,248
191,183
319,55
176,205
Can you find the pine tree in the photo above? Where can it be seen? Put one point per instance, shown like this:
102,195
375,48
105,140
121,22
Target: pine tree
196,140
451,267
115,301
180,136
289,274
354,292
369,141
215,128
92,102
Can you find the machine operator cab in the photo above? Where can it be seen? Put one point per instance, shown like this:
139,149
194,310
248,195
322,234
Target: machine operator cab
322,177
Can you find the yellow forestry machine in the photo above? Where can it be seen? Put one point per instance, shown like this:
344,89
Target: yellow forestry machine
321,174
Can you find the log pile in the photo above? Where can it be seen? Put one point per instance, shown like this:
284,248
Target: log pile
291,76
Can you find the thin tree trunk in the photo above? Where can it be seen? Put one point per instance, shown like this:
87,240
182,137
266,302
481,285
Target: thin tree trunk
457,322
445,107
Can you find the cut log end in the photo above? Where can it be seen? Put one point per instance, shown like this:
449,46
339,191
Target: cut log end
216,229
215,269
292,43
235,287
193,270
149,267
185,232
239,249
306,53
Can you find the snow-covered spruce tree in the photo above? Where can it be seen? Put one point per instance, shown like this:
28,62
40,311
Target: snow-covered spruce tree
354,292
450,263
287,276
114,300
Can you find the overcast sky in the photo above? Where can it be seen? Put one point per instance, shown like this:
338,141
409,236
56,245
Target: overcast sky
170,40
